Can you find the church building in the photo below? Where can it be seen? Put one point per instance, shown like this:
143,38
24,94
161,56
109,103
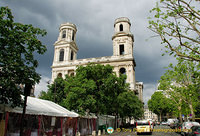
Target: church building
65,54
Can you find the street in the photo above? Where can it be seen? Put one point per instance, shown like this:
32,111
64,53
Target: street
161,131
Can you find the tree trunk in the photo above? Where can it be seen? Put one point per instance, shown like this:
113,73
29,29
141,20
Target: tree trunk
27,90
115,122
192,111
180,116
180,113
160,117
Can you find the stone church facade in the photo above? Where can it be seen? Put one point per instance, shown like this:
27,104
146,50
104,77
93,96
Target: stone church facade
65,54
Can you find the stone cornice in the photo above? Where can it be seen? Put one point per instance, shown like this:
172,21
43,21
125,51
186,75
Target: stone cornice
122,19
121,34
67,25
100,60
62,42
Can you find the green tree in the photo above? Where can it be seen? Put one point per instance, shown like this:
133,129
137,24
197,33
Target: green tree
18,42
80,95
130,106
113,86
181,84
176,22
159,104
55,91
94,87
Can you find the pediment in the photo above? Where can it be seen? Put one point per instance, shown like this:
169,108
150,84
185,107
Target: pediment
60,42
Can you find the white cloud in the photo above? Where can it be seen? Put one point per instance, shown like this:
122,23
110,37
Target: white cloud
42,86
149,89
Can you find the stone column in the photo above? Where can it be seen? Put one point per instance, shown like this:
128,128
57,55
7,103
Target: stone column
132,77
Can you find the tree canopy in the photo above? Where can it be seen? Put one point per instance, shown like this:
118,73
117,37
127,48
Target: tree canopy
97,88
159,104
176,22
130,105
18,44
181,83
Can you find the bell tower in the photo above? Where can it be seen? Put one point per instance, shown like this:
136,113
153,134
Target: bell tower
122,38
65,46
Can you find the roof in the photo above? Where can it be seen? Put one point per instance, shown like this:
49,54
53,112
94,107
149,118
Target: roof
37,106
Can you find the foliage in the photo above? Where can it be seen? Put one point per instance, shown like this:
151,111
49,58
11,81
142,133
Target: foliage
97,89
181,83
18,43
55,91
159,103
79,96
177,24
130,105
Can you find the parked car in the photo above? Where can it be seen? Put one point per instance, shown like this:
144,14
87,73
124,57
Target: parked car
186,127
171,121
175,125
172,125
157,123
163,123
195,131
143,126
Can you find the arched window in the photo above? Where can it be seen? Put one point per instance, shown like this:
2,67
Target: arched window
121,49
120,27
72,74
72,55
63,34
61,57
59,75
73,35
122,71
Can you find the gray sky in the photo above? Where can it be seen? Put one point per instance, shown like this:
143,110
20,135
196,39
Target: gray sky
95,23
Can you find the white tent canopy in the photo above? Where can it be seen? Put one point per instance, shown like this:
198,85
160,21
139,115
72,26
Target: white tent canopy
37,106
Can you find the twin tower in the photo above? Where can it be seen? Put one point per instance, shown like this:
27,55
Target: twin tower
65,55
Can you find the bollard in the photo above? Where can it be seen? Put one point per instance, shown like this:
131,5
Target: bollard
93,133
78,134
104,132
99,132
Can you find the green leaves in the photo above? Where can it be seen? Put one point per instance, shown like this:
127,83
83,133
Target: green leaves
97,88
177,23
181,82
159,103
18,42
130,105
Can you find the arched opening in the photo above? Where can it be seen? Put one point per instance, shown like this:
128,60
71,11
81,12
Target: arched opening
63,34
72,74
59,75
61,56
120,27
122,71
121,49
73,35
72,55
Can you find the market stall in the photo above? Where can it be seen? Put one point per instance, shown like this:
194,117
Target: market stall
42,118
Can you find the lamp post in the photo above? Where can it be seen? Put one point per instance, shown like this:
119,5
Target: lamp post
27,89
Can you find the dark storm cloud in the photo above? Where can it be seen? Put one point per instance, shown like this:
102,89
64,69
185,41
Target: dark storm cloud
95,24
